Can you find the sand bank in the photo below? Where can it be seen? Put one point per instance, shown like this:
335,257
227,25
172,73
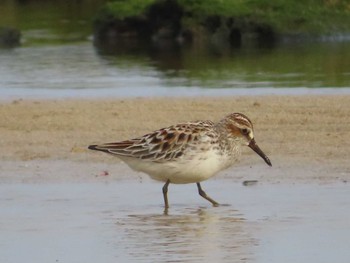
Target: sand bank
306,137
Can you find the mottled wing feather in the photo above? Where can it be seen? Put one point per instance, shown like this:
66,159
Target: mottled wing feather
162,145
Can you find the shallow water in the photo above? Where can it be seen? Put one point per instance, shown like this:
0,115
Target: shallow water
58,59
80,70
124,222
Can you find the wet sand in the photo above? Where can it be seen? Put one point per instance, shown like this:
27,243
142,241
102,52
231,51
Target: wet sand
305,137
62,203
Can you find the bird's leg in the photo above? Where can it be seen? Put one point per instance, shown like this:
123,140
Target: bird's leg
165,194
205,196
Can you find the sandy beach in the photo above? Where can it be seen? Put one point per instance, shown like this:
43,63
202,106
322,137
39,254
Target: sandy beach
306,137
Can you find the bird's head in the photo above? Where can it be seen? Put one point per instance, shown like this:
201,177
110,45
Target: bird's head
241,129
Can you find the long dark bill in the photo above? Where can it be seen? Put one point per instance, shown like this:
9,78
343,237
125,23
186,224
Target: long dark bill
256,149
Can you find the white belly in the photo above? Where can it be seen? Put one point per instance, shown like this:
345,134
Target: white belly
190,169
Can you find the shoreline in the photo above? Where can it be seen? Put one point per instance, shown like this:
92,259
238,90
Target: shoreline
172,93
304,136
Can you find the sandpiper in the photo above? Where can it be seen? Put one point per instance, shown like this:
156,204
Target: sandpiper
188,152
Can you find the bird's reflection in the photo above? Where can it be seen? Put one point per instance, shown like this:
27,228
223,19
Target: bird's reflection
185,234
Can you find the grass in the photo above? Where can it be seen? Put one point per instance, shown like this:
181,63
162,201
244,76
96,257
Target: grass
122,9
284,16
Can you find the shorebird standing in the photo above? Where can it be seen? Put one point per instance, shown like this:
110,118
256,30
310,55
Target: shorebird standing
188,152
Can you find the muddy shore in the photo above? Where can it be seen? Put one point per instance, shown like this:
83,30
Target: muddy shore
305,137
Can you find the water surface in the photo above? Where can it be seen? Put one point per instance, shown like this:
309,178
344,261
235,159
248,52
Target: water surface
124,222
81,70
58,59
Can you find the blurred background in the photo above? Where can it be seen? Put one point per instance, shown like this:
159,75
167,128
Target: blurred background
64,48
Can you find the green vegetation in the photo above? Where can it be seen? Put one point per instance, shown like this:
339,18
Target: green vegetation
282,16
285,16
122,9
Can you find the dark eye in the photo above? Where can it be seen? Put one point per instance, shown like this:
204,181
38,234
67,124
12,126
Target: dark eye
245,131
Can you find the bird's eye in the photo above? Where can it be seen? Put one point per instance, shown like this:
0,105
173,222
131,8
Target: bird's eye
245,131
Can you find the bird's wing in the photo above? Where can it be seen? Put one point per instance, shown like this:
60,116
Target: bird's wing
162,145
